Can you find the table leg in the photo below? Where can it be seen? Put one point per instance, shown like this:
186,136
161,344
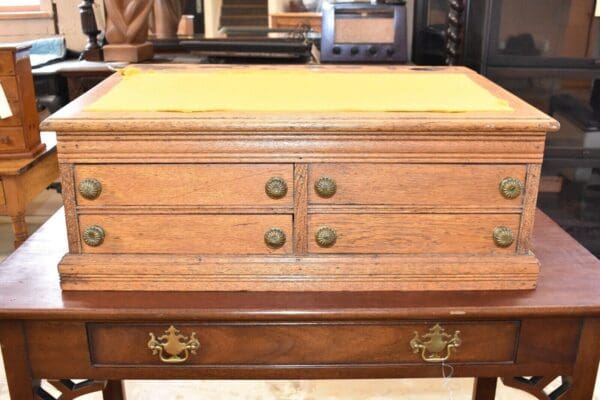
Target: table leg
114,391
586,364
19,228
484,388
14,352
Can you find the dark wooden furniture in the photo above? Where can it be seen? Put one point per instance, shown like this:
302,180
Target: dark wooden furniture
23,179
19,134
543,334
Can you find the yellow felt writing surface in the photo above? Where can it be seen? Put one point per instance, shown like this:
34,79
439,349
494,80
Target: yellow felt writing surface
296,90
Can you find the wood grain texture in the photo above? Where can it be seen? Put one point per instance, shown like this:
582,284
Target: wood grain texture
188,185
586,364
187,234
430,185
412,233
484,388
14,353
285,147
278,344
534,172
316,273
68,195
301,209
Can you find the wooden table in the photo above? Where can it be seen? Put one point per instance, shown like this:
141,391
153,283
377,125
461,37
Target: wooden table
23,179
543,334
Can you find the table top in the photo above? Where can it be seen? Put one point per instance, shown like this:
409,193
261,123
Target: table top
569,285
18,166
522,120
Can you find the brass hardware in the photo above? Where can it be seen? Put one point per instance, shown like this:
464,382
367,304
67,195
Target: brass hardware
435,346
93,235
325,187
276,187
176,346
325,236
503,236
511,188
275,238
90,188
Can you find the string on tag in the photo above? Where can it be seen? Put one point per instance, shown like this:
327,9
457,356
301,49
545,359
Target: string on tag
447,373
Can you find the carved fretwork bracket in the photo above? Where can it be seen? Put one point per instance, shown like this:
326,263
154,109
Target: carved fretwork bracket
538,386
69,389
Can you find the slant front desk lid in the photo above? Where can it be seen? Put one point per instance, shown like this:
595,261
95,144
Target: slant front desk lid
349,98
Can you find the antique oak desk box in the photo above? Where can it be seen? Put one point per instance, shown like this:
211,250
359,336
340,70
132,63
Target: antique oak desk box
290,178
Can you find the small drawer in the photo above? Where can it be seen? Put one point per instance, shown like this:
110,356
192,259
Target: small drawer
15,120
429,185
185,234
11,139
9,84
188,184
411,233
316,343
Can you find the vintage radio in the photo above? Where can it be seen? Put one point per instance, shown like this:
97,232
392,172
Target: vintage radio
364,33
370,187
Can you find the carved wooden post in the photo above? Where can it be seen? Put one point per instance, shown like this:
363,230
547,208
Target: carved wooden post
127,30
454,32
167,14
92,50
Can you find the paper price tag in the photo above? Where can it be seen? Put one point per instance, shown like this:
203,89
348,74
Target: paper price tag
5,111
597,10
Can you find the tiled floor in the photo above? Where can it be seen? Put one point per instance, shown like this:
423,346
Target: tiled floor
410,389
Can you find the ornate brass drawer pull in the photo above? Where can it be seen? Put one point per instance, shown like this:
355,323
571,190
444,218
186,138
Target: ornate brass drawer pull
173,347
325,187
326,236
275,238
511,188
276,187
94,235
437,345
503,236
90,188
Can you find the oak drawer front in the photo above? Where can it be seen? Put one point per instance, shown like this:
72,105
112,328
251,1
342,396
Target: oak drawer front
186,184
184,234
411,233
298,343
429,185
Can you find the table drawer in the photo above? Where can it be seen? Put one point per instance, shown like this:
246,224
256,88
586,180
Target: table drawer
186,184
429,185
183,234
298,343
410,233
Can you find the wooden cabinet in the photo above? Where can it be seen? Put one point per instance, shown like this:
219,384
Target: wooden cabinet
299,200
296,20
19,134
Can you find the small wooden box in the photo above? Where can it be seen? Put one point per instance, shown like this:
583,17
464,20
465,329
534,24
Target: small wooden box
374,200
19,134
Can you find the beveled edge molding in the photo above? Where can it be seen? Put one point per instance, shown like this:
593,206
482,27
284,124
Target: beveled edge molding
312,273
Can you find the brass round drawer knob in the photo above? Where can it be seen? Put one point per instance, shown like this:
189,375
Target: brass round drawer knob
93,235
90,188
325,187
511,188
275,238
276,187
503,236
325,236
